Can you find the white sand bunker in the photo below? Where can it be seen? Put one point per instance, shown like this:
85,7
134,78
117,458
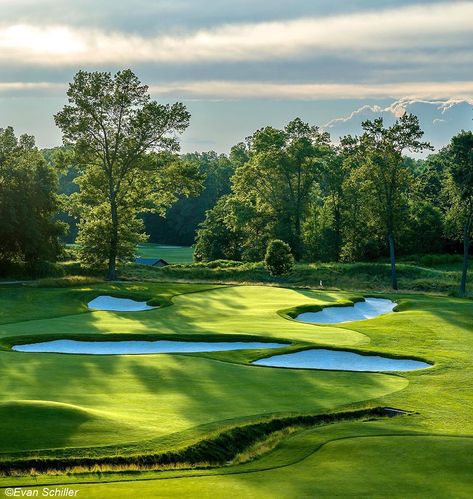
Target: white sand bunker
140,347
368,309
338,360
112,304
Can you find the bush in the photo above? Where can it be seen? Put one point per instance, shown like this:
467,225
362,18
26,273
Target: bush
278,259
40,269
67,281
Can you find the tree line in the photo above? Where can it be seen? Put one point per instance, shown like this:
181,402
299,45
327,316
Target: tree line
122,176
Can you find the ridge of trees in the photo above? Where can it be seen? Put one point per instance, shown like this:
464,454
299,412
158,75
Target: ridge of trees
119,178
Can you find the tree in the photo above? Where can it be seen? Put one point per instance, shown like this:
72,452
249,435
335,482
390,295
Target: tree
423,228
123,144
215,239
461,175
278,259
182,219
282,168
381,151
28,202
334,187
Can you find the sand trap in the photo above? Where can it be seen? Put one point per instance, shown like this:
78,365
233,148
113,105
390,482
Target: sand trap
112,304
338,360
368,309
139,347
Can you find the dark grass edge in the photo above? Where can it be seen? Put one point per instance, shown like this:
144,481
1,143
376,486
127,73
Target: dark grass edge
215,451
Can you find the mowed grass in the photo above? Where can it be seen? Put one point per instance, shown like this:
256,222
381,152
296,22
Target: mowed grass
26,303
374,276
393,466
172,254
161,402
157,397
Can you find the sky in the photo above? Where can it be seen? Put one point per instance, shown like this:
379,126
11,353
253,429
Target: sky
241,65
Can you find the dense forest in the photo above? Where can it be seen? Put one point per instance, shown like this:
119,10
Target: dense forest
119,180
336,223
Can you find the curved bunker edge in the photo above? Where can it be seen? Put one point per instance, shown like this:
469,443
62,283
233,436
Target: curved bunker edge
341,360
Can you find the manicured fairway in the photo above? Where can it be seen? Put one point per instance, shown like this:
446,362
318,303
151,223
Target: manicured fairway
393,466
172,254
78,405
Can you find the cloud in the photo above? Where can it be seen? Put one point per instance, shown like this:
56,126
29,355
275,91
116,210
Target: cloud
312,91
31,86
263,90
440,119
415,29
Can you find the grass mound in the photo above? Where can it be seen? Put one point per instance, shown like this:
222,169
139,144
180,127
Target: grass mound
41,424
293,312
216,450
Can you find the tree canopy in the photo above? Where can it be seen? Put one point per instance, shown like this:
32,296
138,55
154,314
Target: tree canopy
460,189
28,201
124,148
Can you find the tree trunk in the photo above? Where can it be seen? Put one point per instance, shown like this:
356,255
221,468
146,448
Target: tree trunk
392,256
466,251
112,258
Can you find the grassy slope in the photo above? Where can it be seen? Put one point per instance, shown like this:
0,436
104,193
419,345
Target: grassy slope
361,467
442,278
173,398
25,303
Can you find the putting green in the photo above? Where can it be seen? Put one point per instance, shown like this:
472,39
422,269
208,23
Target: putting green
162,402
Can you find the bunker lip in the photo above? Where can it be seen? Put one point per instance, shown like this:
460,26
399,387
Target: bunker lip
369,308
140,347
341,360
112,304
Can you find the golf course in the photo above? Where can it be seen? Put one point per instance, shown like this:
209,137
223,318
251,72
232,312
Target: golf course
95,420
247,283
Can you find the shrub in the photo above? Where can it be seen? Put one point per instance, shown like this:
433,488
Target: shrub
278,259
67,281
40,269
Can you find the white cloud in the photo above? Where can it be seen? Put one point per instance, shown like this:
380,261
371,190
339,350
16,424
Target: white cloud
415,29
312,91
440,119
240,90
28,86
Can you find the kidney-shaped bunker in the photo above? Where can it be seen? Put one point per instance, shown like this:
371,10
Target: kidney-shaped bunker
367,309
112,304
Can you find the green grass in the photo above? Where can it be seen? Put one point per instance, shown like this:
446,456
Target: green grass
443,278
75,406
172,254
390,466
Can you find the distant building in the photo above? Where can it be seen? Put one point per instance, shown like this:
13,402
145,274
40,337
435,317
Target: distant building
152,262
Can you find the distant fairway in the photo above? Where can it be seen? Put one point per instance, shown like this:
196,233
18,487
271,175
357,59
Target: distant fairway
172,254
56,406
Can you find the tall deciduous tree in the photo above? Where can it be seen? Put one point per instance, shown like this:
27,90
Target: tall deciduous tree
282,168
461,173
28,201
118,135
381,150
